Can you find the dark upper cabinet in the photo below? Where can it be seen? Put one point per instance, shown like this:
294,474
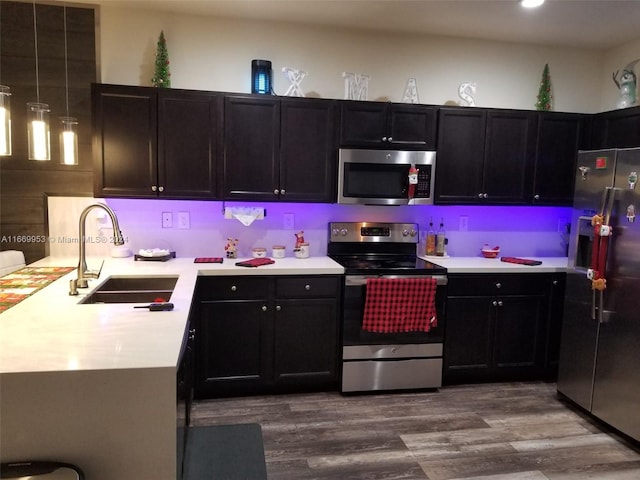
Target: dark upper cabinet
460,157
279,149
308,150
251,148
485,156
387,125
616,129
149,142
560,136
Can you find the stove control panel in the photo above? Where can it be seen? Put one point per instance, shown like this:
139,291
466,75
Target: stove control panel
373,232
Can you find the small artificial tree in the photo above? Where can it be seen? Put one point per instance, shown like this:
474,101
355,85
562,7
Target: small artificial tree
544,93
162,76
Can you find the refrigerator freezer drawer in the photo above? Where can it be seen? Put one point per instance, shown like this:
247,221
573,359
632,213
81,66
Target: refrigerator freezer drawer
369,375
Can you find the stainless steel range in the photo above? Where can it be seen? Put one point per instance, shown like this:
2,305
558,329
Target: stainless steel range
385,361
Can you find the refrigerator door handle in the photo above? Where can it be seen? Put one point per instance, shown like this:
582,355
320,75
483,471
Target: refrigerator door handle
609,207
603,202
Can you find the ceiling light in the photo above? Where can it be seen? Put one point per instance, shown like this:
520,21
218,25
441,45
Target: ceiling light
5,117
38,114
531,3
68,135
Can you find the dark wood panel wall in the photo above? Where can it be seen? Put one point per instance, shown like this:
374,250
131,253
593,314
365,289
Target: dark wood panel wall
25,184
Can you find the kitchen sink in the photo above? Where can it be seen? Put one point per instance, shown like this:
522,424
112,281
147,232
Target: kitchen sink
132,289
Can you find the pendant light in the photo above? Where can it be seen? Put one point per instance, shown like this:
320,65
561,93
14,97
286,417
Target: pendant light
5,111
68,136
38,114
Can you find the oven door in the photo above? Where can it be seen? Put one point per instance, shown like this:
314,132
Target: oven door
381,177
355,293
389,361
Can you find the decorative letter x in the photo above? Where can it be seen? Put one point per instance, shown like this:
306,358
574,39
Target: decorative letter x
295,76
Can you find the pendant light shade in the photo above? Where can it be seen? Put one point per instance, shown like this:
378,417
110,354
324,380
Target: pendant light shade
261,77
68,141
38,130
38,114
68,134
5,121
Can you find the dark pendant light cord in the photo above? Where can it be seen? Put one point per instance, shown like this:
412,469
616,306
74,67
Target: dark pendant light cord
35,38
66,70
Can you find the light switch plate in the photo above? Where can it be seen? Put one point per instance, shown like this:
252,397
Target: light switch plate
288,221
183,220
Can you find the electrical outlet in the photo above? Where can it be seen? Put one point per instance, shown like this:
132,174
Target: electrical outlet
463,223
183,220
167,220
288,221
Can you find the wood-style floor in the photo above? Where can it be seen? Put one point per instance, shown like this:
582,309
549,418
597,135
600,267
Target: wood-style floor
510,431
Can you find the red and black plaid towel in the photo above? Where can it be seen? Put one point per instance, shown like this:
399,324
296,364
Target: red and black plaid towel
400,305
255,262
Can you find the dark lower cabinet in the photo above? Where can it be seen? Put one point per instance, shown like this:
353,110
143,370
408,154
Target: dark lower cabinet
502,327
266,334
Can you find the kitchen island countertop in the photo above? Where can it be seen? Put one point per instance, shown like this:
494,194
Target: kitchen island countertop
95,384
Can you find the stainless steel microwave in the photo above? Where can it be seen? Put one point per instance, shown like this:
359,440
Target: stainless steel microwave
381,177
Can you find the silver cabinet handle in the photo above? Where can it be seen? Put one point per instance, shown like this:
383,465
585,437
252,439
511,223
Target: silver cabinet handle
233,288
536,197
154,188
278,308
499,303
307,287
480,195
390,139
494,303
276,191
498,285
384,139
283,191
161,189
264,308
486,195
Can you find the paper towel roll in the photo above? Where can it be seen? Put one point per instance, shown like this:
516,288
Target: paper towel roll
245,215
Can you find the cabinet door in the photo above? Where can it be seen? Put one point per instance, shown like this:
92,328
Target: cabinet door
363,124
508,157
468,337
305,344
559,138
188,131
232,346
251,158
518,330
412,126
124,141
308,150
460,158
617,129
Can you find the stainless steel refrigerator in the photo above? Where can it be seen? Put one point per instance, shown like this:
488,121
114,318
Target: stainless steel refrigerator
600,348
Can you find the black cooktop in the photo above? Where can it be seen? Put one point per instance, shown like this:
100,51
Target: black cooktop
387,265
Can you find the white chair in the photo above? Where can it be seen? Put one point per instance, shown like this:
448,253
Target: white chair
10,261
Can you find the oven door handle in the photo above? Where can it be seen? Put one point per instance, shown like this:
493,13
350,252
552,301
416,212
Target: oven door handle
358,280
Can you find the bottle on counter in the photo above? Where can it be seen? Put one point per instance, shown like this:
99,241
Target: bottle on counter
440,240
430,247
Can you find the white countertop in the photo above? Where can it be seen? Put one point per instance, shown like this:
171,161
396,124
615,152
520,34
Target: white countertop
51,331
495,265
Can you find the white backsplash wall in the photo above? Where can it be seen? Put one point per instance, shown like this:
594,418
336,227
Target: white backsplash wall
520,231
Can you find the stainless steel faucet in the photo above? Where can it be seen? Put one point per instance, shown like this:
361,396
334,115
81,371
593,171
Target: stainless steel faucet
83,272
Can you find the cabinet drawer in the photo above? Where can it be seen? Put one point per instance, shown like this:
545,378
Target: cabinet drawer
497,284
303,287
230,288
